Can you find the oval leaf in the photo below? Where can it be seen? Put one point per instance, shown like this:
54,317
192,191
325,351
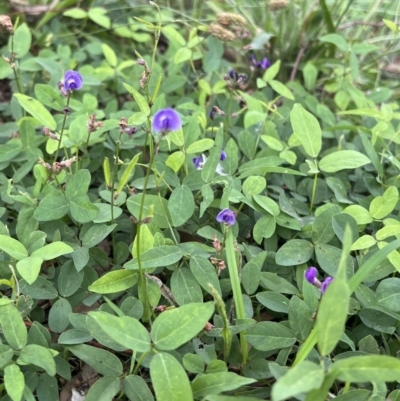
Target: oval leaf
177,326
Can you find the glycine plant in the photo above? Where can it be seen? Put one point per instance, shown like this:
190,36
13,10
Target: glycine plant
177,223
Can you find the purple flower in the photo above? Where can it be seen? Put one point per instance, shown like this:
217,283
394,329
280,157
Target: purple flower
198,162
311,275
223,156
72,81
166,120
265,63
233,74
326,283
227,217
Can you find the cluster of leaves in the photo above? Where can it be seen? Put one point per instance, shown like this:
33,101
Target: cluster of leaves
111,255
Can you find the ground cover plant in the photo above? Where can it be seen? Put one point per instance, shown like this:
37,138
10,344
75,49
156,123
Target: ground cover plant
199,201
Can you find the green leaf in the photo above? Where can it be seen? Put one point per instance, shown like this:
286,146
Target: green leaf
52,207
96,234
281,89
169,379
193,363
136,389
126,175
185,288
388,294
78,184
114,281
82,210
200,146
338,40
139,99
275,283
102,361
22,40
163,255
96,14
40,356
307,130
53,250
300,318
104,389
251,276
175,160
322,230
383,205
59,315
205,273
14,382
273,301
29,268
216,383
10,150
158,205
341,160
175,327
13,326
294,252
334,305
125,330
37,110
210,166
181,205
269,336
391,25
76,13
12,247
272,71
368,368
6,354
254,185
40,289
183,54
360,214
110,55
301,379
69,280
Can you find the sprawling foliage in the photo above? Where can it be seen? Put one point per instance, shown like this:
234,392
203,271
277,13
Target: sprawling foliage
199,201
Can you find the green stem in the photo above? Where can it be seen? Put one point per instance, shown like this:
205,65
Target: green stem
139,223
237,291
12,65
314,190
114,179
62,128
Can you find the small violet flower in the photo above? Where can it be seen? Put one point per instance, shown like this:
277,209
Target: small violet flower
198,162
166,120
311,276
72,81
326,283
264,64
223,156
227,217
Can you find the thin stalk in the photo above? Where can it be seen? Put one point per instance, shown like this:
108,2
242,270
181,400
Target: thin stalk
236,289
114,179
139,223
62,128
12,65
314,190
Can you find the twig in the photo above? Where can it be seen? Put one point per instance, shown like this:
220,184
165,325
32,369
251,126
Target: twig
353,23
297,62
